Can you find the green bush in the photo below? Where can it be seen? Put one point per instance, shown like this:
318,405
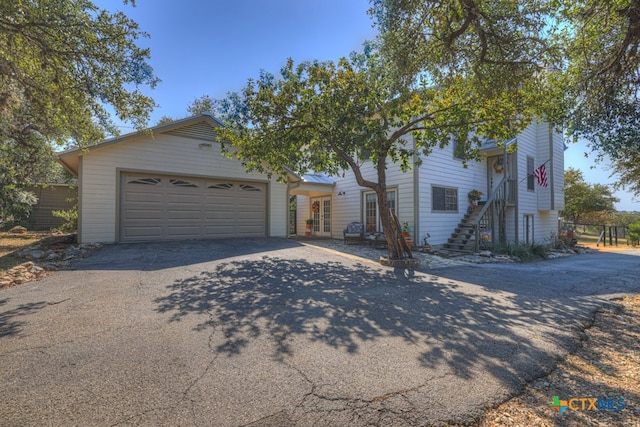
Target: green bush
524,251
71,219
633,234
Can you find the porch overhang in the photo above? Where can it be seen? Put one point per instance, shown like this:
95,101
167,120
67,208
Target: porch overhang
312,185
491,146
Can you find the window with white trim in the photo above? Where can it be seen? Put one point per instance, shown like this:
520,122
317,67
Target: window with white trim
530,177
444,199
372,213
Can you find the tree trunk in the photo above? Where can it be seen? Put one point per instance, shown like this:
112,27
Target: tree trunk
390,233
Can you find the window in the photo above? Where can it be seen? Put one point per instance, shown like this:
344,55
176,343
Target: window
181,183
246,187
371,212
145,181
444,199
530,177
458,149
222,186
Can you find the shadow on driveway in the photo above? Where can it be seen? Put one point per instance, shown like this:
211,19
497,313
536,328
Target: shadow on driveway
153,256
457,325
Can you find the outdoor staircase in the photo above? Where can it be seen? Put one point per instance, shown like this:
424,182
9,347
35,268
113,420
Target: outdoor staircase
461,239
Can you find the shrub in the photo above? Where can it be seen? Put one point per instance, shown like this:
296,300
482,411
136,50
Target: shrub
524,251
71,219
633,234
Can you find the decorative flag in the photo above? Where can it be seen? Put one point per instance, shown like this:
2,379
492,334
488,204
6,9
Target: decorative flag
541,175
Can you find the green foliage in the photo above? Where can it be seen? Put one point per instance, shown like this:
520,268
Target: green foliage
16,205
24,160
502,46
323,117
204,104
627,167
625,218
582,198
62,63
70,216
576,62
602,51
633,234
526,252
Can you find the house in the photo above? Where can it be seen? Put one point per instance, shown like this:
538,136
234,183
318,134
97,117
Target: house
172,182
432,197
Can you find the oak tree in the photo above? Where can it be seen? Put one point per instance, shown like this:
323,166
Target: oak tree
330,117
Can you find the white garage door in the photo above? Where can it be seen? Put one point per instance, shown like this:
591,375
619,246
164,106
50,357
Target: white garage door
161,207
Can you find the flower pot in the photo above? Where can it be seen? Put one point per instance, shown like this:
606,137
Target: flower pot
408,239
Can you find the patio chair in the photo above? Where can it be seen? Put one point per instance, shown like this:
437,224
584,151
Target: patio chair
354,233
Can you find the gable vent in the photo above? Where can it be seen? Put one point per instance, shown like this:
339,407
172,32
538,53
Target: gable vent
200,130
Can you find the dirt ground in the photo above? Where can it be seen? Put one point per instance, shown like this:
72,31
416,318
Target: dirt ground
11,243
607,366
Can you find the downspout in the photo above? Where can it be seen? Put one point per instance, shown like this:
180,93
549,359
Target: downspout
416,200
291,185
552,194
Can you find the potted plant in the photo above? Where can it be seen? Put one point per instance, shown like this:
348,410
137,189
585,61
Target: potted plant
474,197
406,233
307,229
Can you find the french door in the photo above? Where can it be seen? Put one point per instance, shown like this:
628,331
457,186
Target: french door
321,215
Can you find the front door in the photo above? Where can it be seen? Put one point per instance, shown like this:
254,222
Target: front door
321,215
495,169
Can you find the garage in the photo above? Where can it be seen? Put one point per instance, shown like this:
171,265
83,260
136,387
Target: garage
173,181
165,207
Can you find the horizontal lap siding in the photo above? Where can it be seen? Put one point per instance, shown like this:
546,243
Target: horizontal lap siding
348,206
441,169
162,154
534,142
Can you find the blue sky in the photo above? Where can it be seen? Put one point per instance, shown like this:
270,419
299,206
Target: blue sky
212,47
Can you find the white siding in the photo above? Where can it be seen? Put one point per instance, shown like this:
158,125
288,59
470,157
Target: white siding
534,142
166,154
558,171
348,206
441,169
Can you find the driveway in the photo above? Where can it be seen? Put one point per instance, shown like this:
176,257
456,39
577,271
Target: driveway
274,333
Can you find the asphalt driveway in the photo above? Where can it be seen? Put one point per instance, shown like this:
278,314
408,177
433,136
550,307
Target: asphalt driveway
272,332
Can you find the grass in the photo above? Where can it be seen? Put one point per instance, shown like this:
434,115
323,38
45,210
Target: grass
10,244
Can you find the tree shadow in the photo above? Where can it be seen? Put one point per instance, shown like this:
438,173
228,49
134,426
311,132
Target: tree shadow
153,256
10,324
457,325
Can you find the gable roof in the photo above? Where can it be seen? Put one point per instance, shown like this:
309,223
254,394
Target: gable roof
198,127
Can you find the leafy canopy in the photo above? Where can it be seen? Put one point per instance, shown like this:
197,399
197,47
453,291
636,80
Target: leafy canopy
582,198
63,62
330,117
64,65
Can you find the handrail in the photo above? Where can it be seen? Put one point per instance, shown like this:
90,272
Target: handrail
487,205
489,201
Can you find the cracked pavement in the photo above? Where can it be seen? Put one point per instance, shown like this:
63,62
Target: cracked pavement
269,332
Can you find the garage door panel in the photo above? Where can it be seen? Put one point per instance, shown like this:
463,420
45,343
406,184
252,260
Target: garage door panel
187,214
219,217
173,197
140,197
186,231
142,214
155,207
143,232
